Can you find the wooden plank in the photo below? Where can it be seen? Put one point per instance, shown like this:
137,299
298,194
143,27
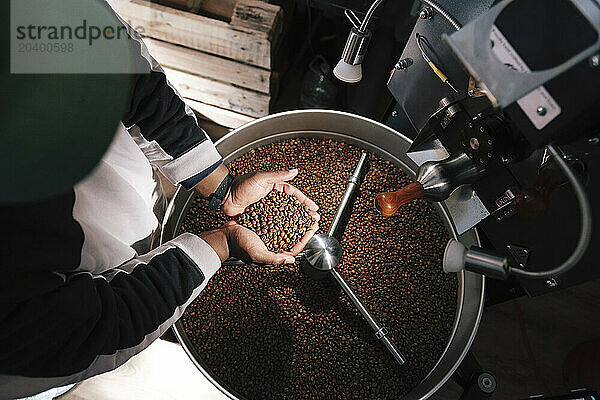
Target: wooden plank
256,15
248,42
219,8
221,116
219,94
207,65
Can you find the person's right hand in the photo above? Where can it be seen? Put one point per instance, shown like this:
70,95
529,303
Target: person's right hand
245,245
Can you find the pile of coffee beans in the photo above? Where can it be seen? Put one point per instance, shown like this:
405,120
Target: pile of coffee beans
279,219
270,332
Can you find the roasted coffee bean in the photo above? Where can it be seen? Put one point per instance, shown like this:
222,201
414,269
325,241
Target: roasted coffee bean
270,332
282,221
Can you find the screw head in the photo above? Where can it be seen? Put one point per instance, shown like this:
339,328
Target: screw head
541,110
426,13
471,92
594,140
506,160
394,113
595,61
486,382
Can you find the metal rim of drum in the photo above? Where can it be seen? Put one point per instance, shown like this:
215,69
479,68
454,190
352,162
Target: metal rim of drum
381,140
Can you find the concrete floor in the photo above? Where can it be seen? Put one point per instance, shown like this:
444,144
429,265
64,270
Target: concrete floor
554,324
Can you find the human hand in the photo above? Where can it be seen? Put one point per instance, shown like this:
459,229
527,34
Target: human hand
250,188
245,245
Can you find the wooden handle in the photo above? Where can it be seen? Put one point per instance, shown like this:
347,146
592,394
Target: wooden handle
389,202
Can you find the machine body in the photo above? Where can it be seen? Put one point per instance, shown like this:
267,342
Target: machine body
528,77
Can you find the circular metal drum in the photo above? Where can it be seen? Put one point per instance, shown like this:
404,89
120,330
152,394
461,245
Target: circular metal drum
386,143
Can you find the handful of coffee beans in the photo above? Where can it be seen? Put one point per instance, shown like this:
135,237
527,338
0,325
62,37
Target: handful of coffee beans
279,219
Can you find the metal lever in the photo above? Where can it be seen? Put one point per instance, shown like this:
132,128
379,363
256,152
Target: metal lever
324,252
380,331
353,184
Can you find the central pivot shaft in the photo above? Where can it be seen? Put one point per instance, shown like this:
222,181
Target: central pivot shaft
323,253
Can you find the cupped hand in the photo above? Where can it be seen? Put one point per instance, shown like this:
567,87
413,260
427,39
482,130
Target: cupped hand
249,188
247,246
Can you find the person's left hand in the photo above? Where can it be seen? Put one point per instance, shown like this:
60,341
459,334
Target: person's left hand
250,188
247,246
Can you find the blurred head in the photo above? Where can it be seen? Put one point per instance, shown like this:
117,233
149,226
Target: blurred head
60,107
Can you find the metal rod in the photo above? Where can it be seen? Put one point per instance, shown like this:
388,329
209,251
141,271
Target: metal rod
370,12
380,331
353,184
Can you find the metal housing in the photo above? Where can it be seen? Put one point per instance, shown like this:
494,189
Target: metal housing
385,142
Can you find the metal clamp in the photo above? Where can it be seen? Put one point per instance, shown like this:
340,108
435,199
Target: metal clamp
381,333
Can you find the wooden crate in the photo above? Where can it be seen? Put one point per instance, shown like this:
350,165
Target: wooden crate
224,66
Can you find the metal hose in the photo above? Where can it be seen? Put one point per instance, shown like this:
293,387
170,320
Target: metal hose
370,12
586,224
443,13
430,3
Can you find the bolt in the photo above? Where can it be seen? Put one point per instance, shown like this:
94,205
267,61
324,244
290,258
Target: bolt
489,155
594,140
486,382
482,129
470,125
541,110
394,113
463,144
490,142
471,92
426,13
595,61
403,64
506,160
474,142
552,282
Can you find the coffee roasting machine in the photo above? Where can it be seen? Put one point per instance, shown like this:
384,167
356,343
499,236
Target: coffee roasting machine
498,98
502,100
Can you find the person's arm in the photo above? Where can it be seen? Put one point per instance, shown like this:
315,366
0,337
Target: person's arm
60,326
66,326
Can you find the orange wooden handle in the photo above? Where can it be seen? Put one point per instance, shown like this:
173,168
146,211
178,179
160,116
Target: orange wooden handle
388,203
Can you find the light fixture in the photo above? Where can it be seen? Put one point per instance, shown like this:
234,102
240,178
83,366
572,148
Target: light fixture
349,67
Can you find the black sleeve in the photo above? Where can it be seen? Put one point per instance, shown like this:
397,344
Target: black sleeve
63,325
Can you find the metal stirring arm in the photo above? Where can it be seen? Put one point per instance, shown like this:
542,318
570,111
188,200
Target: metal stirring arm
380,331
